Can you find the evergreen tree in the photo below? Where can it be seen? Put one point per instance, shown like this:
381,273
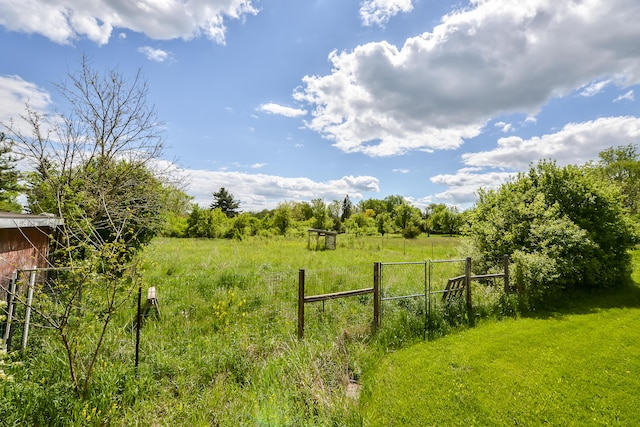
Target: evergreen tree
9,186
347,208
224,201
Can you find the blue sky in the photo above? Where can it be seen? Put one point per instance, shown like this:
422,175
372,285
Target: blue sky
282,100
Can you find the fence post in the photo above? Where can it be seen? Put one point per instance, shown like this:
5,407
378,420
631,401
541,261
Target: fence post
507,286
376,296
138,321
6,338
300,303
27,317
467,284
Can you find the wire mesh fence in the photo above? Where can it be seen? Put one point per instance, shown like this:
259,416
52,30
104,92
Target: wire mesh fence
412,298
343,303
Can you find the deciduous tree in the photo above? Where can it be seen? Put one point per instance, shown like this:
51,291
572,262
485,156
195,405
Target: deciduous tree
621,166
95,166
563,227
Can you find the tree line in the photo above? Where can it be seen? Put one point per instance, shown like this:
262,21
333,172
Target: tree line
393,214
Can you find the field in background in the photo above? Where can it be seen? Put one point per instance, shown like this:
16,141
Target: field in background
225,349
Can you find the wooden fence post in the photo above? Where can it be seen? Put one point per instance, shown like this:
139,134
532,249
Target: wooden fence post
467,284
507,286
300,303
376,296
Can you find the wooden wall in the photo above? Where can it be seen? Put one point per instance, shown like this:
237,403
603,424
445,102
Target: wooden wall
21,249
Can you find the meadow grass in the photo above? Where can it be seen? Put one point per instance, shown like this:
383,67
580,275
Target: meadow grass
224,351
575,365
227,341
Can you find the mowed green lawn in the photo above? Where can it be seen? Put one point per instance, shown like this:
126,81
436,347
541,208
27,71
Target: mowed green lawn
578,365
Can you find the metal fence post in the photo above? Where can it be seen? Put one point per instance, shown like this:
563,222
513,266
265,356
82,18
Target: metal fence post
376,296
300,303
138,325
507,286
467,284
32,284
11,301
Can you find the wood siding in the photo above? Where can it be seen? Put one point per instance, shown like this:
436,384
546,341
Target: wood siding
22,248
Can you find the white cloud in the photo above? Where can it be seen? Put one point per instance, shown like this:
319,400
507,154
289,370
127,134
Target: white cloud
399,170
463,186
496,57
504,127
629,96
15,93
152,54
421,202
258,165
261,191
281,110
378,12
64,21
594,88
576,143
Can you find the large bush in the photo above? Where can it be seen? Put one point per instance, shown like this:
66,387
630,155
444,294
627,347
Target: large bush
563,227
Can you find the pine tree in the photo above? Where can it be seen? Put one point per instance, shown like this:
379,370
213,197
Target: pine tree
224,201
347,208
9,185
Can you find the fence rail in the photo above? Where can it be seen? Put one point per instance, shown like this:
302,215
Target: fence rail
303,299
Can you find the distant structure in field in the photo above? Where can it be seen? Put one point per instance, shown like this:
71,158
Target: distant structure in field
330,238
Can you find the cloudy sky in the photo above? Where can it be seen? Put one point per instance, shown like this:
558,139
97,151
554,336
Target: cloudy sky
295,100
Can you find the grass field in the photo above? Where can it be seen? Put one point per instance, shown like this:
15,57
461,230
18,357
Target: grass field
578,365
225,352
235,358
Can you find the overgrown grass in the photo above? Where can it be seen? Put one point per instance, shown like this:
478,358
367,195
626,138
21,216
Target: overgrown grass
575,365
225,350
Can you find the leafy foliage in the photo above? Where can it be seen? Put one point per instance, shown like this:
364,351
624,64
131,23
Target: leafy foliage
95,168
442,219
210,223
408,220
563,227
621,166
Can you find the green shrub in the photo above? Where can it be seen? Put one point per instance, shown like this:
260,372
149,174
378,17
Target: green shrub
564,228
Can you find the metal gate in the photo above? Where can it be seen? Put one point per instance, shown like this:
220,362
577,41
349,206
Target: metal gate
415,287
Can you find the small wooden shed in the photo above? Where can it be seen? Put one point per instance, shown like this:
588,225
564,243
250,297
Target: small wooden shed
24,243
330,238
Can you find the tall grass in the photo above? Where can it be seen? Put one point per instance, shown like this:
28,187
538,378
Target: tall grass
225,350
